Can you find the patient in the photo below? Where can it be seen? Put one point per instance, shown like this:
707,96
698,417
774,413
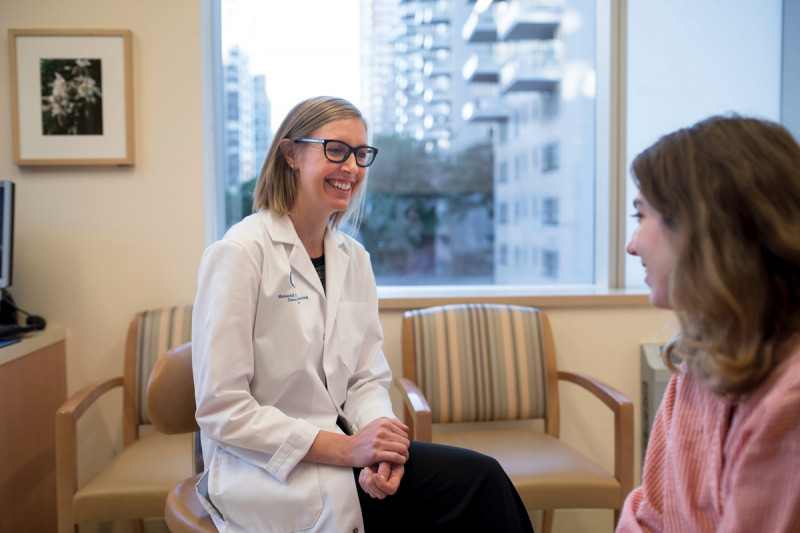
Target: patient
719,237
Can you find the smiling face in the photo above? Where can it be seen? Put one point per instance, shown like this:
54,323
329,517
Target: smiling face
324,187
655,243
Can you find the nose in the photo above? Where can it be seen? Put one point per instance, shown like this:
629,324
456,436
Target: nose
349,164
631,247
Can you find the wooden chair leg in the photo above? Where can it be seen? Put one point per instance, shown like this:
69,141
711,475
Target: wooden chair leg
137,526
547,520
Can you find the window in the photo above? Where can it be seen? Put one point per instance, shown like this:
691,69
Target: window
550,263
550,157
670,85
457,111
550,211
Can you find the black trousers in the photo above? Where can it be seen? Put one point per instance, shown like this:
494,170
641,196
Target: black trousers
447,489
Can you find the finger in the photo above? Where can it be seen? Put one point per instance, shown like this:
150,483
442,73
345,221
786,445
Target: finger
400,425
378,483
387,485
398,428
363,481
371,485
384,470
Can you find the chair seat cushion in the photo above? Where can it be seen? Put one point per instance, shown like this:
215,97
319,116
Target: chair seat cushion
135,483
184,513
547,473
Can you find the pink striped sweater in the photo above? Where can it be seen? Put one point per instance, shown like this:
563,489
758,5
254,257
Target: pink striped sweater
713,466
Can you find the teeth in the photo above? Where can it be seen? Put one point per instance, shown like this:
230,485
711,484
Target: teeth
342,186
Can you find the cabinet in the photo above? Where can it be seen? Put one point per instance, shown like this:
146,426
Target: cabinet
33,385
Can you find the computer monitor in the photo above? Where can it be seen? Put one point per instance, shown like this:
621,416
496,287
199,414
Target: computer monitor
6,233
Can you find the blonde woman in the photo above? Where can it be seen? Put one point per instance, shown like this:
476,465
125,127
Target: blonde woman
290,378
719,237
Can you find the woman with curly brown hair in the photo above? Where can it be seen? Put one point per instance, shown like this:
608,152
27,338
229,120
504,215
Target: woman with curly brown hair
719,237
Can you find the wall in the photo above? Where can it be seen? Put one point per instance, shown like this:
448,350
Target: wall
94,245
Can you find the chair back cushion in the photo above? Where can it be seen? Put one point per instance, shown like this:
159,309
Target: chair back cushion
480,362
158,330
170,392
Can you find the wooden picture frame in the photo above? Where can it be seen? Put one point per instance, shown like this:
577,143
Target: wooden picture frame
71,97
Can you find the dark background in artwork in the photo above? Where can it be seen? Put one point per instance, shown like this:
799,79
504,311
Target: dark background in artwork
74,110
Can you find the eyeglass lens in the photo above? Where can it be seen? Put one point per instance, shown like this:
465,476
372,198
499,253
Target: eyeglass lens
338,151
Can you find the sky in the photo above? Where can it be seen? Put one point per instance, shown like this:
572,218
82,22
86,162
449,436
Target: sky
304,47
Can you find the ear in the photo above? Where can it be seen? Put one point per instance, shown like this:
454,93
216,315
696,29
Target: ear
289,150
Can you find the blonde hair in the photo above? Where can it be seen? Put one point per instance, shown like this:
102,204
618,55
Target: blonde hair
729,188
276,188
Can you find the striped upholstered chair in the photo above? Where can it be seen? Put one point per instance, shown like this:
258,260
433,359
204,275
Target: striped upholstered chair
487,362
135,483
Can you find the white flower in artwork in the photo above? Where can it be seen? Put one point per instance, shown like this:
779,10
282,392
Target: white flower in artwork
59,85
87,88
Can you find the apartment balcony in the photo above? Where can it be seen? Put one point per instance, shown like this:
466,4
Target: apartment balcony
436,67
435,42
526,75
481,68
480,28
433,95
485,110
438,14
527,20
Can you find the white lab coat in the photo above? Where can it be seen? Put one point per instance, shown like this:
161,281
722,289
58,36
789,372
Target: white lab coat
275,360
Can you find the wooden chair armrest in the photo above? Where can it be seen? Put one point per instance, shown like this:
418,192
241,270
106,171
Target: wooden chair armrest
610,396
416,408
78,403
66,445
622,407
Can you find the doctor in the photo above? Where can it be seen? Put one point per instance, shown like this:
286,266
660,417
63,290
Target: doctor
291,382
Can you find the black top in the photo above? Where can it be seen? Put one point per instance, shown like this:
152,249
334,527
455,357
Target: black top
319,265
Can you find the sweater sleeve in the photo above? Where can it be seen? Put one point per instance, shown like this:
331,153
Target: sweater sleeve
643,508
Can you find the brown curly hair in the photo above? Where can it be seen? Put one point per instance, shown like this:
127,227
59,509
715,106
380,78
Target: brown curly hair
729,187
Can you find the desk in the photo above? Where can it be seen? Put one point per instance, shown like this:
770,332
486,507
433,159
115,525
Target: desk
33,384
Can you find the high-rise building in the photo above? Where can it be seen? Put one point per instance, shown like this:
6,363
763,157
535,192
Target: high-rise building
247,118
534,76
520,74
263,120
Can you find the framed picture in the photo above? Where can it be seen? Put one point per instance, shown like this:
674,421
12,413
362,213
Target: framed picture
71,97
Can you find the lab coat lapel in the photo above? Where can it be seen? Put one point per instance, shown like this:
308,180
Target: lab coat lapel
282,230
336,263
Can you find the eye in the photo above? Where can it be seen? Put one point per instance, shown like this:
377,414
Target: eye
336,150
638,216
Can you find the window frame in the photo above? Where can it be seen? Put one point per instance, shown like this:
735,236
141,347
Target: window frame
609,166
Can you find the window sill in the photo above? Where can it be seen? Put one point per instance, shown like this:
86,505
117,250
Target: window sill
412,297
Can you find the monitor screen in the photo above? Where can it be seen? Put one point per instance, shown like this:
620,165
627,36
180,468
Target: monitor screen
6,232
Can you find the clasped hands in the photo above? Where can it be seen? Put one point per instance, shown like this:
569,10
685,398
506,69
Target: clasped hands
382,446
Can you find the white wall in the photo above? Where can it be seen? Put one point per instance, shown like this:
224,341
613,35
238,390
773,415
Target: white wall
94,245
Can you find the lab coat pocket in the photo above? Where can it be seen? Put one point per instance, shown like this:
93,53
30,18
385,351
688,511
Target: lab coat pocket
351,325
250,499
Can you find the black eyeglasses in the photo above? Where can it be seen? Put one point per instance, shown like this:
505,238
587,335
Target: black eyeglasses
338,151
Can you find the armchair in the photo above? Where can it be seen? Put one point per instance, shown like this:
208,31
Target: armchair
135,483
488,363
